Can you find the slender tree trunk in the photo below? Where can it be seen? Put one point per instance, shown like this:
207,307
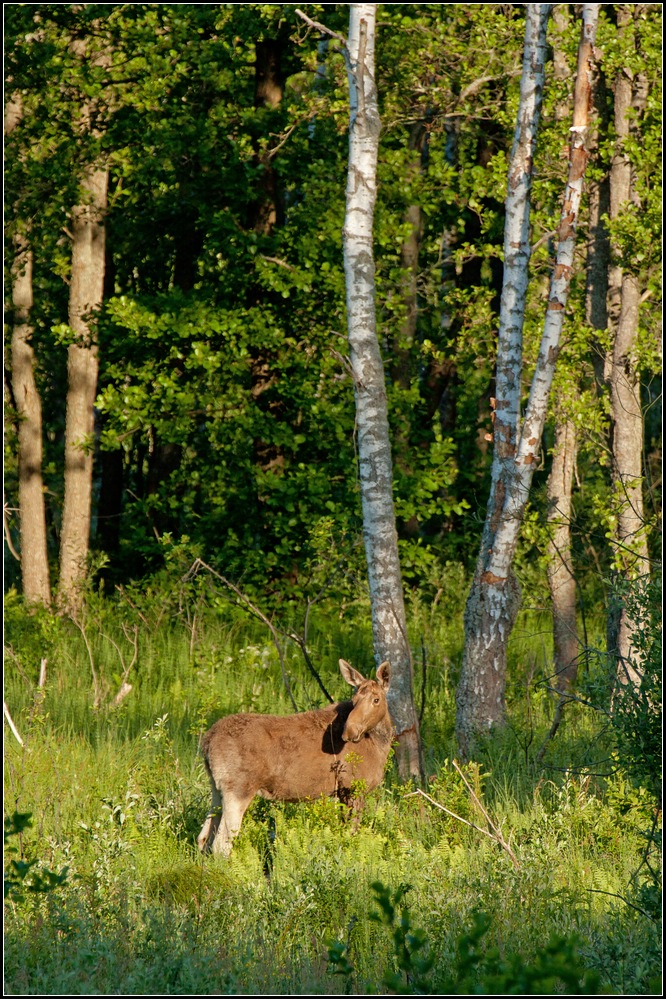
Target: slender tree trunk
624,294
493,603
375,463
32,513
85,296
34,549
495,598
561,579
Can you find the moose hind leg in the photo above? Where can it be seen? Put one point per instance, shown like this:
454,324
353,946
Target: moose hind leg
232,817
210,827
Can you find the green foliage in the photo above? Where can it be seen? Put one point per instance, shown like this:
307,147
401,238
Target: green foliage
637,714
141,907
22,875
479,970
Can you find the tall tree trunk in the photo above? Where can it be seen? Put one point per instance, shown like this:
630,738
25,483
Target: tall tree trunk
492,604
495,597
374,449
85,296
561,579
32,513
629,542
34,549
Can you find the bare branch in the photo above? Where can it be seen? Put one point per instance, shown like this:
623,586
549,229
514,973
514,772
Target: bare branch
321,27
453,815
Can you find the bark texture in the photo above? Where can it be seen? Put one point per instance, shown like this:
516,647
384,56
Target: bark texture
34,549
85,296
32,513
374,450
561,578
494,598
624,295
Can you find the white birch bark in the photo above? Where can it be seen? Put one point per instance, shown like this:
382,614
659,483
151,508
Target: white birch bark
494,598
374,450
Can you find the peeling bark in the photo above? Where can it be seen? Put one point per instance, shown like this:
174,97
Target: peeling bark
494,597
374,450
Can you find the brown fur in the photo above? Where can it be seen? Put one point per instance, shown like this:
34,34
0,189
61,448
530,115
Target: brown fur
296,757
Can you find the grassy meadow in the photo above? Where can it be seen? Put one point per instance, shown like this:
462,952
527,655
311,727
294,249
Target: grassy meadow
107,894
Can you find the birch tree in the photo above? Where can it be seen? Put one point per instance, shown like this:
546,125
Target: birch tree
495,594
374,448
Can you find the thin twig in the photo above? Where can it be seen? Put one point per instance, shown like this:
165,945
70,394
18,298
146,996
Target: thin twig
321,27
96,685
600,891
310,665
125,687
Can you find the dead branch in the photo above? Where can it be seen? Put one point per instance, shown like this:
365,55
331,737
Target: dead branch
8,535
96,684
133,640
495,828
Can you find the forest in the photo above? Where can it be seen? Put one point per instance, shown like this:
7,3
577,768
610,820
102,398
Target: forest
332,341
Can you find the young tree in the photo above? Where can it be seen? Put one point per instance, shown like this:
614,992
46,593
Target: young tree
374,448
561,579
32,514
624,296
495,596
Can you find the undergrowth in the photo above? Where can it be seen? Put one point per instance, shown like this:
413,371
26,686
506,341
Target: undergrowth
107,894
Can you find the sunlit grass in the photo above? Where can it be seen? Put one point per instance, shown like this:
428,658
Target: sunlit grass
118,796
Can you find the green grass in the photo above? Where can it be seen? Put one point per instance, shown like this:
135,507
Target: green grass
118,797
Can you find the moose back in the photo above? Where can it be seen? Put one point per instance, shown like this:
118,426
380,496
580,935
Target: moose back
296,757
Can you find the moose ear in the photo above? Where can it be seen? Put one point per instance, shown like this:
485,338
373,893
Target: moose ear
351,675
384,675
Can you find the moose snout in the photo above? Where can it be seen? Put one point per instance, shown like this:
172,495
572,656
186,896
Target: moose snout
351,734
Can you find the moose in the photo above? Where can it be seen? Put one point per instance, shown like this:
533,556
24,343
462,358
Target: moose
296,757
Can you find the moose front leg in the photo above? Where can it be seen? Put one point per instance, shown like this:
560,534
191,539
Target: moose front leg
210,827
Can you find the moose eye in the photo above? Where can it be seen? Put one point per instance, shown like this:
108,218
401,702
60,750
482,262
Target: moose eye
376,700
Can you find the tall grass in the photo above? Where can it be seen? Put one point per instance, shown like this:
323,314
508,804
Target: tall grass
117,796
